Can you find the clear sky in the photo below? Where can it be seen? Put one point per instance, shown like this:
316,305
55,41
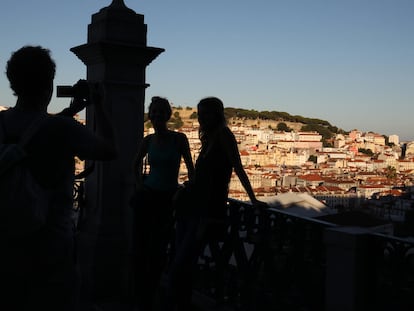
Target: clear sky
350,62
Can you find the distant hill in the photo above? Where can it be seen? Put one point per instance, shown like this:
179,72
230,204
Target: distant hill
262,119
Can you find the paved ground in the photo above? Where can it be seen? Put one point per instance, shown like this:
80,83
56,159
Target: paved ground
201,303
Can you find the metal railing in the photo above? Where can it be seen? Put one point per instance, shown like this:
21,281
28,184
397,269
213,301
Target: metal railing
392,272
78,202
276,260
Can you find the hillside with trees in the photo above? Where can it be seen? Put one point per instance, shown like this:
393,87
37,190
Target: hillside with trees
281,121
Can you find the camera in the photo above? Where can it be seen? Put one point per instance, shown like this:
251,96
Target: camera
79,90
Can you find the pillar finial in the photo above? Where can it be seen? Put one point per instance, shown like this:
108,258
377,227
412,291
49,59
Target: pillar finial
118,3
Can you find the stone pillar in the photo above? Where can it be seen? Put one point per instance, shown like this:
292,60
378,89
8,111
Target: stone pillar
350,270
115,54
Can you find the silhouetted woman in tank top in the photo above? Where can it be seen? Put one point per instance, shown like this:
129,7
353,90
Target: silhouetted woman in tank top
204,219
153,207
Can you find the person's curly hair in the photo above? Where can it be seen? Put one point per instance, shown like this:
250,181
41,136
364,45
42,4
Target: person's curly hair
30,70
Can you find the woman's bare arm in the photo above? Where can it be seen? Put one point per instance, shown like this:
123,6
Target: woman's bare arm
230,146
185,151
138,165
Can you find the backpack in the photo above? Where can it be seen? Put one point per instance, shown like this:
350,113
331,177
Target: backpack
23,201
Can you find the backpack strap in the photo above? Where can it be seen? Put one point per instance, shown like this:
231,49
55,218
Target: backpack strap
31,130
11,154
28,132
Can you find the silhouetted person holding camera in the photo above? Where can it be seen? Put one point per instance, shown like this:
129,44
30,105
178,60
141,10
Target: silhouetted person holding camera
201,218
39,270
153,212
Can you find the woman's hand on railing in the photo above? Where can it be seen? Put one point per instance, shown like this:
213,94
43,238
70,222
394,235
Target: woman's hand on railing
259,206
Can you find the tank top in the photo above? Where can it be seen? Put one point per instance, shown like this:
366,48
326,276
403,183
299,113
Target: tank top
213,171
164,161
